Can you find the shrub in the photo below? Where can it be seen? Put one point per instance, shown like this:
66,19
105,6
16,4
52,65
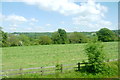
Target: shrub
77,37
12,40
45,40
25,39
96,57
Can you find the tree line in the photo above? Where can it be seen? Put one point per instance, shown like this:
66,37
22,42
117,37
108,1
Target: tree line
58,37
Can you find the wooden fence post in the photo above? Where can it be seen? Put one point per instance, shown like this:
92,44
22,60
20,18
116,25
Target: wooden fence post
108,60
21,72
78,66
61,68
41,71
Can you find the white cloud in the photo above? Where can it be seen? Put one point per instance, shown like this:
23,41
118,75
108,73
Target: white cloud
67,7
92,16
62,6
105,23
15,18
33,20
92,24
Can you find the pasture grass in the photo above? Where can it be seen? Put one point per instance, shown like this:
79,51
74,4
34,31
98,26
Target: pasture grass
47,55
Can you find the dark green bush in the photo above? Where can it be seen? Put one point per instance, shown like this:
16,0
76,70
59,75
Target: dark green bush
106,35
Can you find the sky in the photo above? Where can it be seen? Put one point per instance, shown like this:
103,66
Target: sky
49,15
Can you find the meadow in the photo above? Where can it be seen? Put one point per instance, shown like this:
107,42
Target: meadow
48,55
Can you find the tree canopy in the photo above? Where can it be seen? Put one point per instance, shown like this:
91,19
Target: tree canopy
45,40
60,37
77,37
106,35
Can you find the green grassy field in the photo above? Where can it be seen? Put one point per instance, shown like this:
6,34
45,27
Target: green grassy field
47,55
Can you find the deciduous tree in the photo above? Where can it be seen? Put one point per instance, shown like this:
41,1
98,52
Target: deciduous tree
106,35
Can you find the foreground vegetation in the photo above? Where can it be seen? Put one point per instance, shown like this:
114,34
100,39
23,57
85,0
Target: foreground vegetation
47,55
112,72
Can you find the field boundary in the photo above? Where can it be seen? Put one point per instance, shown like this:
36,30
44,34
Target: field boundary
46,70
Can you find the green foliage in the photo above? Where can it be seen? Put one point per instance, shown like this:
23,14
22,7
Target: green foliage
25,39
77,37
74,37
0,28
45,40
93,37
55,38
13,40
63,36
106,35
96,57
34,41
60,37
111,68
3,39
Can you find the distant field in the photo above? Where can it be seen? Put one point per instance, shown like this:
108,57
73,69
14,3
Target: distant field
46,55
